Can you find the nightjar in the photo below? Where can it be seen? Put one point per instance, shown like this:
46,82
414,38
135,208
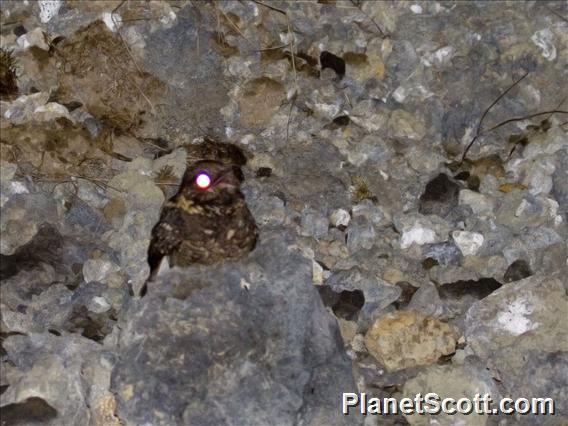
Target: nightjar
208,220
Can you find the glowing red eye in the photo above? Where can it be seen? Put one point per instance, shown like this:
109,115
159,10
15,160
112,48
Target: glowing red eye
203,180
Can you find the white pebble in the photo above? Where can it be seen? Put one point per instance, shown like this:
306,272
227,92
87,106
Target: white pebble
543,39
98,305
417,235
340,217
416,8
48,9
468,242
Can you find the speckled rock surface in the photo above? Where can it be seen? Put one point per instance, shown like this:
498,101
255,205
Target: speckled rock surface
406,160
423,338
231,349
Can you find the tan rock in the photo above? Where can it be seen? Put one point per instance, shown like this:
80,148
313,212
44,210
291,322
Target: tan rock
260,100
104,411
348,330
450,381
405,339
405,125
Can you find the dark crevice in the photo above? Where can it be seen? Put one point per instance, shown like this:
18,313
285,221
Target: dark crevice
517,270
44,247
264,172
92,325
329,60
32,410
342,120
345,304
407,291
440,195
477,288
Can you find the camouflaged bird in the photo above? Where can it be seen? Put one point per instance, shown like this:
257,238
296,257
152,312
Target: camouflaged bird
205,222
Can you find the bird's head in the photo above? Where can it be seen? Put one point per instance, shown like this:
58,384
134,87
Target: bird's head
208,180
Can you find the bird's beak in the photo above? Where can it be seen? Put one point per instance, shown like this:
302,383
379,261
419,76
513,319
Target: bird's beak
226,180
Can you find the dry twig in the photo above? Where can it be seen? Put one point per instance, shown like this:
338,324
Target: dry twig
292,46
357,4
115,22
478,132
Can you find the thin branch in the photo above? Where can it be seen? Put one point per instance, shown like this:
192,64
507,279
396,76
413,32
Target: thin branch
497,100
115,22
478,131
557,14
270,7
292,46
358,6
235,27
527,117
101,183
290,36
557,107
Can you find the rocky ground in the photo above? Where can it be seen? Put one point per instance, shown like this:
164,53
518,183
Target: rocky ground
407,168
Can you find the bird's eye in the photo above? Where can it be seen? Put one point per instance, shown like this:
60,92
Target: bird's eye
203,181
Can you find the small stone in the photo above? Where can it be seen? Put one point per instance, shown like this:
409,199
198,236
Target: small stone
317,273
440,57
402,124
427,301
468,242
36,38
313,223
51,111
16,233
348,330
416,8
48,9
417,235
361,234
539,177
340,217
420,230
479,203
98,270
374,213
443,254
451,381
7,171
517,270
358,343
368,116
544,40
98,305
406,339
22,109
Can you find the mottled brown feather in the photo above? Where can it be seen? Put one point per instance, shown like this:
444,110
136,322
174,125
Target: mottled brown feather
205,226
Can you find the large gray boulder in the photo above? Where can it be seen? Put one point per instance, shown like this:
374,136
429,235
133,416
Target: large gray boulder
245,344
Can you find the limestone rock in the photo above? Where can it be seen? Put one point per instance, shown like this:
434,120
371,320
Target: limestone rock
199,340
528,307
449,381
406,339
468,242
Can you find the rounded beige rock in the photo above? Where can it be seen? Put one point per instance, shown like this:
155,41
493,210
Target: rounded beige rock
406,339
